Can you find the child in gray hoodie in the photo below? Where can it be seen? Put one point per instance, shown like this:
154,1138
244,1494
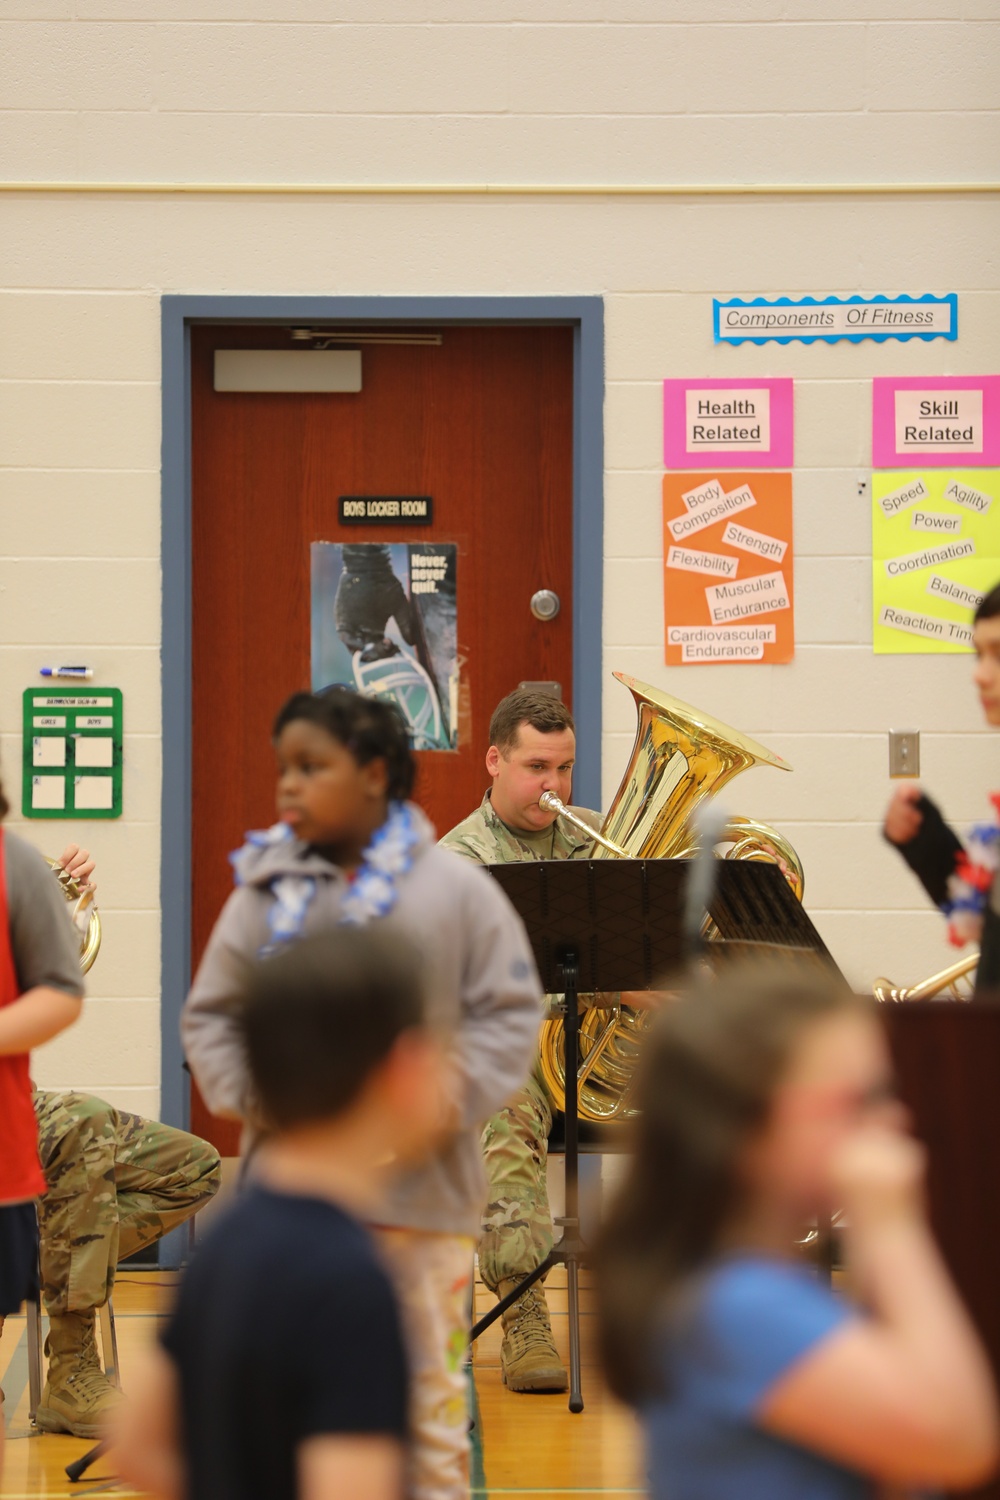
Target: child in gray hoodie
351,849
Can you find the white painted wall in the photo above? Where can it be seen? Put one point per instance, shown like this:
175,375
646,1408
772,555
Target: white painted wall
555,91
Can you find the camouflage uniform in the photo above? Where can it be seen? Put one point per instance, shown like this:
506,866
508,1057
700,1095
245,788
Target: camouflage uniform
517,1223
115,1182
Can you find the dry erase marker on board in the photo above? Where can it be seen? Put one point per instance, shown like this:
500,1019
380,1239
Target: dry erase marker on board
87,672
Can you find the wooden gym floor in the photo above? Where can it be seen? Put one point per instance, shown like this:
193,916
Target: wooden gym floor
528,1446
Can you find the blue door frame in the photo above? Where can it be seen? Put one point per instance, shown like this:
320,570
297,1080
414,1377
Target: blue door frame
178,312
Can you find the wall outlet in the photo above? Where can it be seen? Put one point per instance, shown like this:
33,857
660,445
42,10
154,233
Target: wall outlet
904,752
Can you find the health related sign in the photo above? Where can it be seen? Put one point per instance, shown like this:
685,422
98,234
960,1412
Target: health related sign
384,624
935,553
727,581
935,420
811,320
727,423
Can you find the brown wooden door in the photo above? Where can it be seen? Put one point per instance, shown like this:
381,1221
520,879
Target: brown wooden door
483,424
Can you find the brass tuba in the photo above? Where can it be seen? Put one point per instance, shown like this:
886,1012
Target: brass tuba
680,757
84,915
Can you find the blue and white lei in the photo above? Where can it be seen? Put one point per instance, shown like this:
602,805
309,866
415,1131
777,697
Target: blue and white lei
373,892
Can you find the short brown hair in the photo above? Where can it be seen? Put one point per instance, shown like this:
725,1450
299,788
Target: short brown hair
318,1018
542,711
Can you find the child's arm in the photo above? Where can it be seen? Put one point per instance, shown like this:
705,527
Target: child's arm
35,1018
146,1432
905,1395
502,999
212,1040
365,1467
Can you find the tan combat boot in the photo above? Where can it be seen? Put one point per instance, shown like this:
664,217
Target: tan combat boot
78,1396
529,1360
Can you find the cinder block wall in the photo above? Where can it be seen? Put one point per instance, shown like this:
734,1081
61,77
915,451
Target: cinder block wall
555,91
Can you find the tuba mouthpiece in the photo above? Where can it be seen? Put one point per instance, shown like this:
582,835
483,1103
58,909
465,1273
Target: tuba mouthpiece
551,803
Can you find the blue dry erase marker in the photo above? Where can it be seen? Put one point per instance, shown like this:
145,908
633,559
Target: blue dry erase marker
66,672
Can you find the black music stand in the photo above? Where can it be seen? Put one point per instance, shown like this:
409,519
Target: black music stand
594,925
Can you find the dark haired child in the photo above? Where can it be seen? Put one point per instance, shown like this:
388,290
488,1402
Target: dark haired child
282,1372
963,881
765,1099
41,991
351,849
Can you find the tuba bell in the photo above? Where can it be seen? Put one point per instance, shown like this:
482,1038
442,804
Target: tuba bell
680,757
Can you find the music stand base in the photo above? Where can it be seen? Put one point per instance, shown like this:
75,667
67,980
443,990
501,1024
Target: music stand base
569,1252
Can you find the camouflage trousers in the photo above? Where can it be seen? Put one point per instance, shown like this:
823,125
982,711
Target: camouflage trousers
517,1222
115,1182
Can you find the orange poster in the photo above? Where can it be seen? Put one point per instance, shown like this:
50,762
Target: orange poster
727,574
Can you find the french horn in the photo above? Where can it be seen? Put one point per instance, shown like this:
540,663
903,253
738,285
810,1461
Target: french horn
84,914
680,757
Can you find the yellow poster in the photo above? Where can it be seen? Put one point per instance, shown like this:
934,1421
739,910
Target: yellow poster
935,553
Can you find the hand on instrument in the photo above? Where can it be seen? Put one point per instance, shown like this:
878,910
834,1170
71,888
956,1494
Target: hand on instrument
80,864
644,999
902,817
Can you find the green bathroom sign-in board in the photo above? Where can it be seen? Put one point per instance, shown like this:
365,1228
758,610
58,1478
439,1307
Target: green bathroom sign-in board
72,753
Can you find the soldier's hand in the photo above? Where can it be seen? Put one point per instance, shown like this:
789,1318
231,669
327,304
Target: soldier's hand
79,863
644,999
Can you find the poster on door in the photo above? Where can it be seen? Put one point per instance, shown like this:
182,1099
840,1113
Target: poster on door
727,577
935,553
384,624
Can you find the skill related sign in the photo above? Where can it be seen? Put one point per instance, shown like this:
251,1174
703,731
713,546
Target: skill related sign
727,583
938,420
811,320
728,424
72,753
385,510
935,553
384,624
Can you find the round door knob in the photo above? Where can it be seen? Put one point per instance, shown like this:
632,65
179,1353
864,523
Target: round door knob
544,604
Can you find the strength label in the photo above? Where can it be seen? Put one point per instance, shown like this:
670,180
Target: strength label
771,547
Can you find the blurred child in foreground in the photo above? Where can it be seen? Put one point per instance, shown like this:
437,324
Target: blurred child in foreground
242,1398
41,991
765,1100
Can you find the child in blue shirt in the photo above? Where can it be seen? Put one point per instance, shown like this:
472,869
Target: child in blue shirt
766,1099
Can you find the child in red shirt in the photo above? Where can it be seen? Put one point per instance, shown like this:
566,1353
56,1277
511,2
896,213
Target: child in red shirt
41,992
